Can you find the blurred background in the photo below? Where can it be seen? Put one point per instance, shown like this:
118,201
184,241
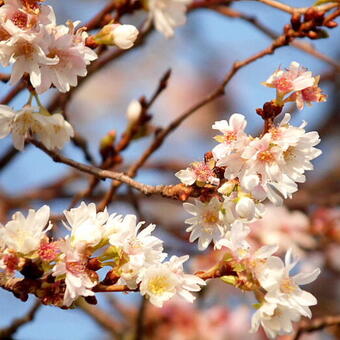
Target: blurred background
199,56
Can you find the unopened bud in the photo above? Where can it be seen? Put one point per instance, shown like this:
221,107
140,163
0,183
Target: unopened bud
331,24
245,208
134,111
296,21
122,36
227,188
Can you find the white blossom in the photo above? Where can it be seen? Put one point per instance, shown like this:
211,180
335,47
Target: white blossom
139,247
275,319
87,226
52,130
208,223
161,282
167,14
284,289
24,234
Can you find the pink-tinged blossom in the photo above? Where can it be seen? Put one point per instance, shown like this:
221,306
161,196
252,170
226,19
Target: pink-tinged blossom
309,95
285,228
66,46
233,135
263,158
24,234
71,266
27,53
24,18
295,78
33,44
299,83
49,251
198,172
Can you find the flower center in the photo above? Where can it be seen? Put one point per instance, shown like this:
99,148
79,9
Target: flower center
283,85
210,217
24,49
266,156
75,267
289,154
158,285
20,19
287,286
230,137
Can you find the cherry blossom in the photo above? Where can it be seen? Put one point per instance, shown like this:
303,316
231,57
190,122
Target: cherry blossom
167,14
24,234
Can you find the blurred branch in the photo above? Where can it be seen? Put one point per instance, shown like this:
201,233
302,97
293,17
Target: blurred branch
139,331
103,318
6,333
317,324
4,77
8,156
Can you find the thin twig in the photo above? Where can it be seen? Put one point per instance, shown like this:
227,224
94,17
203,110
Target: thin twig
306,47
6,333
301,10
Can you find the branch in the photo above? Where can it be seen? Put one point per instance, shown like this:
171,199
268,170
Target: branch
301,10
6,333
102,318
306,47
178,191
317,324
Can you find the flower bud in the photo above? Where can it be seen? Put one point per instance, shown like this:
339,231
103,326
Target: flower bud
134,111
227,188
122,36
245,208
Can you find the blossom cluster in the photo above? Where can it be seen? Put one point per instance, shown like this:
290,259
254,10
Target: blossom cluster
280,299
296,84
66,267
33,43
52,55
236,178
254,169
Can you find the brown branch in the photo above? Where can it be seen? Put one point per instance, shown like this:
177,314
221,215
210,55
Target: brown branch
308,48
317,324
6,333
8,156
4,77
178,191
102,318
